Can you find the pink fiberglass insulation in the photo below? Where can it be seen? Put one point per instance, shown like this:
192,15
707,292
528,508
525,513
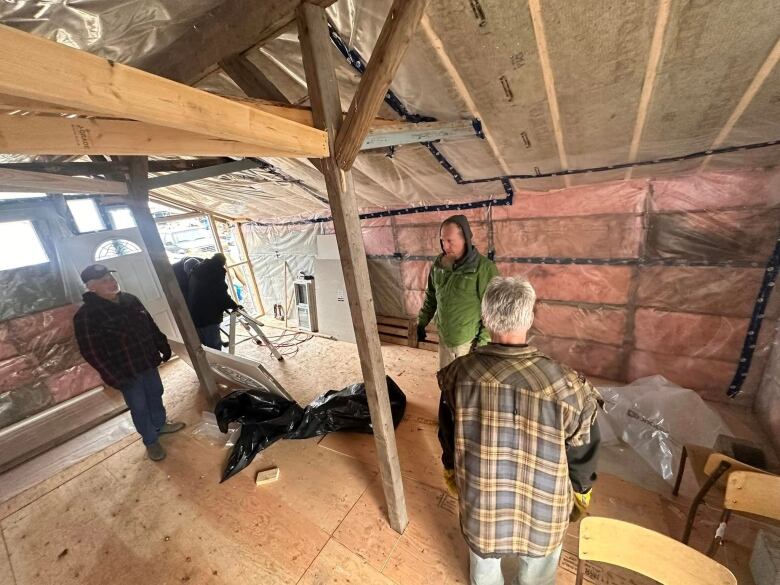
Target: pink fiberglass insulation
436,217
705,375
415,274
42,363
379,241
635,278
687,334
603,361
615,236
606,198
73,381
424,240
700,289
602,324
574,282
713,191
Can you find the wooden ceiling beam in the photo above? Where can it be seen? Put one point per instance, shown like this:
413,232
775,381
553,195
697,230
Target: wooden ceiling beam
57,135
230,28
15,180
397,32
79,81
35,135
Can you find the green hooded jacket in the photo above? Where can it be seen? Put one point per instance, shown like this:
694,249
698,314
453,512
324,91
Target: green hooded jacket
454,294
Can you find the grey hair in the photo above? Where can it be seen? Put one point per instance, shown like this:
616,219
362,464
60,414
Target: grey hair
508,304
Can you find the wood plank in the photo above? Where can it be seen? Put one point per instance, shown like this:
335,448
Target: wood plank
250,79
55,73
400,25
395,321
392,339
139,204
409,133
13,180
245,251
79,136
754,493
228,29
648,553
534,7
393,330
336,564
326,111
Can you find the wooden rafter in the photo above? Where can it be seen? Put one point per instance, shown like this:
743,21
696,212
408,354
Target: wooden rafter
79,81
228,29
16,180
401,23
651,72
549,83
250,79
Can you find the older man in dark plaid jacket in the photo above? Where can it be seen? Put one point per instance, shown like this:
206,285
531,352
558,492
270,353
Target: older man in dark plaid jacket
519,424
118,337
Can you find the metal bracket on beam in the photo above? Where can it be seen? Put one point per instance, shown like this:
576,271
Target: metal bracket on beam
204,173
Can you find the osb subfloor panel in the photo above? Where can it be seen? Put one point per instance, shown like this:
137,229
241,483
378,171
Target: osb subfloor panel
118,518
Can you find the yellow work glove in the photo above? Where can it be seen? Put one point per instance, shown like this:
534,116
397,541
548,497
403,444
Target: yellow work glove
581,503
449,479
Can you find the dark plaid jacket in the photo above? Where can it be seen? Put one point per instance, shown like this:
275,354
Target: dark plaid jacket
120,340
515,413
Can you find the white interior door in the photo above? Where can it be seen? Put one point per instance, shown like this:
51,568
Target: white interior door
135,272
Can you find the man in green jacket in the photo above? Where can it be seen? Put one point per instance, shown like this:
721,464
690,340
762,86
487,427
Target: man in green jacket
456,284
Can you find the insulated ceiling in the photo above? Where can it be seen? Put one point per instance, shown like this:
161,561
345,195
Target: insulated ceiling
556,84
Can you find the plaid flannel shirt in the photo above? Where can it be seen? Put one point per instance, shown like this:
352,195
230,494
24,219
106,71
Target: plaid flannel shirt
515,413
120,340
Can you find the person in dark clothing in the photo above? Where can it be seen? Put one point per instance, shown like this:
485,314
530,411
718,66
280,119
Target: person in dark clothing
208,299
182,270
118,337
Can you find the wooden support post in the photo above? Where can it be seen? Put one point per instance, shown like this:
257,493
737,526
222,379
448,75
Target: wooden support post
138,201
326,111
255,288
400,25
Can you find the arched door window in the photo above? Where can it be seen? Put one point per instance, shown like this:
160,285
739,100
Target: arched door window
114,248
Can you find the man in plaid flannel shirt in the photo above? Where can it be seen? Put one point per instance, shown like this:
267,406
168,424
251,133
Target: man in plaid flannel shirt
521,427
118,337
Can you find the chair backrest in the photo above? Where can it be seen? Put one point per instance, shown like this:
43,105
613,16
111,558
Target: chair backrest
648,553
715,459
753,493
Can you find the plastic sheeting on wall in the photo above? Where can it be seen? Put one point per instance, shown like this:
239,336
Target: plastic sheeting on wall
40,364
613,303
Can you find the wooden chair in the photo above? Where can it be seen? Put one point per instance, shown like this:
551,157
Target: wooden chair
646,552
751,493
708,466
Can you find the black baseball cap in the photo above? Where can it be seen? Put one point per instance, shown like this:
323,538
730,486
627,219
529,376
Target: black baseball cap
93,272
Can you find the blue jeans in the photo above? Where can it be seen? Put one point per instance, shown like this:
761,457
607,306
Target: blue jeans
533,570
143,396
210,337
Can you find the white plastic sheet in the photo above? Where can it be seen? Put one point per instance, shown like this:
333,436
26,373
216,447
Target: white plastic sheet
656,418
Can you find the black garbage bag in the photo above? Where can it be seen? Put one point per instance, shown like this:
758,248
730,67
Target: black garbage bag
266,417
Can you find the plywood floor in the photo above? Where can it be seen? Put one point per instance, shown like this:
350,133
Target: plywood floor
115,517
